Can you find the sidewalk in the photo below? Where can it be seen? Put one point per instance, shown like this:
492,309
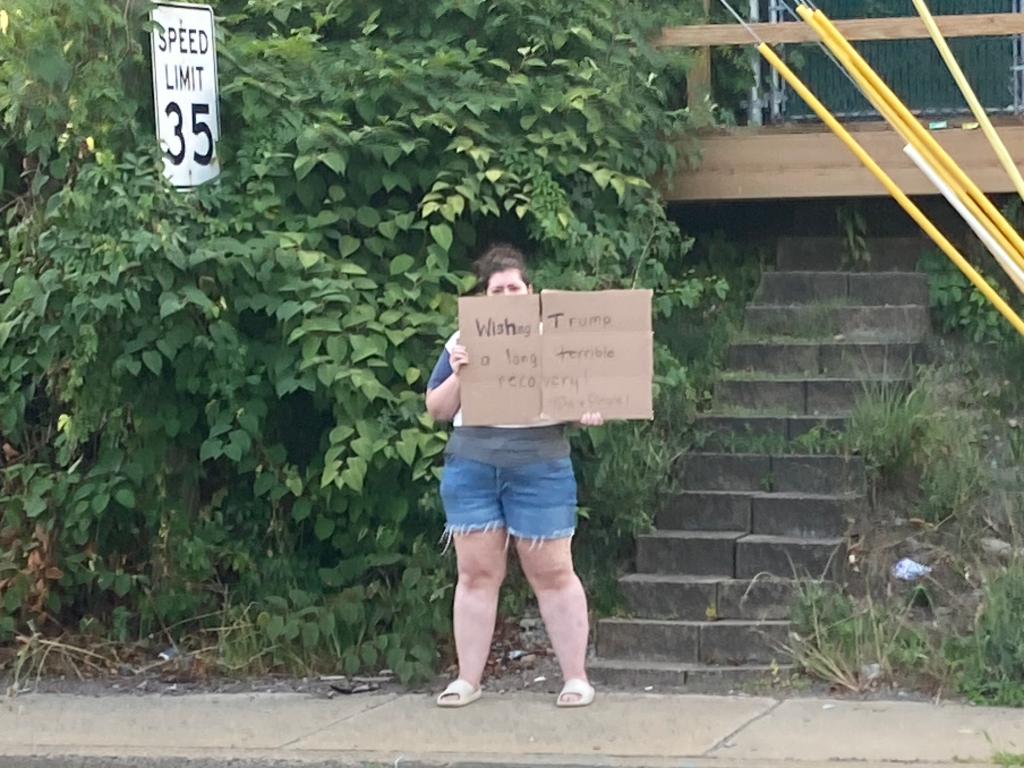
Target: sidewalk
262,730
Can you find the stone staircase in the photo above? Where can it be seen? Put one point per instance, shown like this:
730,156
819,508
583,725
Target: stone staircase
768,500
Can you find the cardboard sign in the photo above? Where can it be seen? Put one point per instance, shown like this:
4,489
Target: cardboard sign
598,354
593,352
502,383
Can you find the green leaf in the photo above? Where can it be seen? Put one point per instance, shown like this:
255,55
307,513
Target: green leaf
310,258
310,635
153,360
5,331
211,449
349,245
335,161
125,497
263,483
301,510
294,484
442,234
368,217
169,304
303,165
324,528
406,449
274,628
402,264
355,474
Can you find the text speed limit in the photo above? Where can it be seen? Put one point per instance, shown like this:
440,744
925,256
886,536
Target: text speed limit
185,92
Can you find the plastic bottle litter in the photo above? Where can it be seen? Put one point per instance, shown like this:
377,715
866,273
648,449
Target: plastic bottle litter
910,570
871,672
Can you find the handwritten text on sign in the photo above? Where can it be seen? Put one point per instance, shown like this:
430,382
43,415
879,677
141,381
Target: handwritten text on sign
593,351
185,92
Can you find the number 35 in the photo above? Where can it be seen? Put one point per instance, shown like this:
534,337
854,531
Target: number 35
199,128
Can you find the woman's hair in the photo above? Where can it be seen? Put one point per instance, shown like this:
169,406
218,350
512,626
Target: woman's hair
498,257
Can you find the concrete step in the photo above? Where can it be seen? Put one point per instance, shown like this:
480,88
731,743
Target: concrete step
905,323
823,475
776,514
888,254
692,642
777,434
696,553
763,472
805,515
696,678
837,360
810,396
725,472
697,598
790,557
706,511
850,287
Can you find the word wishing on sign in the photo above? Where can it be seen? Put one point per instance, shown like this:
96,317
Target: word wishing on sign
185,92
556,356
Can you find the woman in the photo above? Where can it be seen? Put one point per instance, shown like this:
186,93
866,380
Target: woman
502,482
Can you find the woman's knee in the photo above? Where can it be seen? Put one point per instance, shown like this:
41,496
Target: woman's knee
548,573
481,575
481,559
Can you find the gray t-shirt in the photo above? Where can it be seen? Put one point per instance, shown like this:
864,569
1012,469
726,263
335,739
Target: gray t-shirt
509,447
499,446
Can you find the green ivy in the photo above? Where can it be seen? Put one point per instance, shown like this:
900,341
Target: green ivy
213,400
958,307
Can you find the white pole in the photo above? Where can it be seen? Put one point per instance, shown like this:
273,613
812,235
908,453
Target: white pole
1009,265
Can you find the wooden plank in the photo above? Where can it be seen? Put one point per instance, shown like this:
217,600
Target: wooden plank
765,165
897,28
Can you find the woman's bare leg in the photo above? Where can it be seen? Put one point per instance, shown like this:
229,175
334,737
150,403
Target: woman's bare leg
563,603
482,562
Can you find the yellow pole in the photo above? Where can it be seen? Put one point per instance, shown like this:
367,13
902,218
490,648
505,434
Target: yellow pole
928,141
912,210
830,38
972,100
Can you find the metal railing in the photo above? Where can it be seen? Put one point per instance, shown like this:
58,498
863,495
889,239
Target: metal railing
911,66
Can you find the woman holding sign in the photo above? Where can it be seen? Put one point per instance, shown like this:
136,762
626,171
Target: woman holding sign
501,482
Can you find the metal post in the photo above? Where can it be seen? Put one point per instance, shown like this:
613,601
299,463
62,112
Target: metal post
1017,71
755,107
777,15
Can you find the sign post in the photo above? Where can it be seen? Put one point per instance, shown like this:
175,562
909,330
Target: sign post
185,92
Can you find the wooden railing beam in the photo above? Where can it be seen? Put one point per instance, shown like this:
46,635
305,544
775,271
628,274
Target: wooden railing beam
896,28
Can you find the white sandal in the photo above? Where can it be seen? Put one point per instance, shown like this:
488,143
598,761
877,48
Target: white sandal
463,692
580,688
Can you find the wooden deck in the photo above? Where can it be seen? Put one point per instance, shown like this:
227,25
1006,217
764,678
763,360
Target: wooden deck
810,162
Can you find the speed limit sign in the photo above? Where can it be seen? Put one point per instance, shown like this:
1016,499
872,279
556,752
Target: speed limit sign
185,91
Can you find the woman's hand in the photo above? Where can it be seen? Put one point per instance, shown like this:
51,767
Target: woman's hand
591,420
458,358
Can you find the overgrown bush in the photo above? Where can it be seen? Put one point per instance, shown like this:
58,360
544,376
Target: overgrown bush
211,403
859,646
918,437
992,661
958,307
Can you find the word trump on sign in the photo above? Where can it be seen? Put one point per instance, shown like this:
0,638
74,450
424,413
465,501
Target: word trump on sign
185,92
556,356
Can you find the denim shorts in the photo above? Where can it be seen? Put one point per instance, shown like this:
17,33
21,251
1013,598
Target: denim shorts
532,501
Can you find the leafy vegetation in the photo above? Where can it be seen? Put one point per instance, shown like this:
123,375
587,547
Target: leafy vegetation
947,493
957,307
211,403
